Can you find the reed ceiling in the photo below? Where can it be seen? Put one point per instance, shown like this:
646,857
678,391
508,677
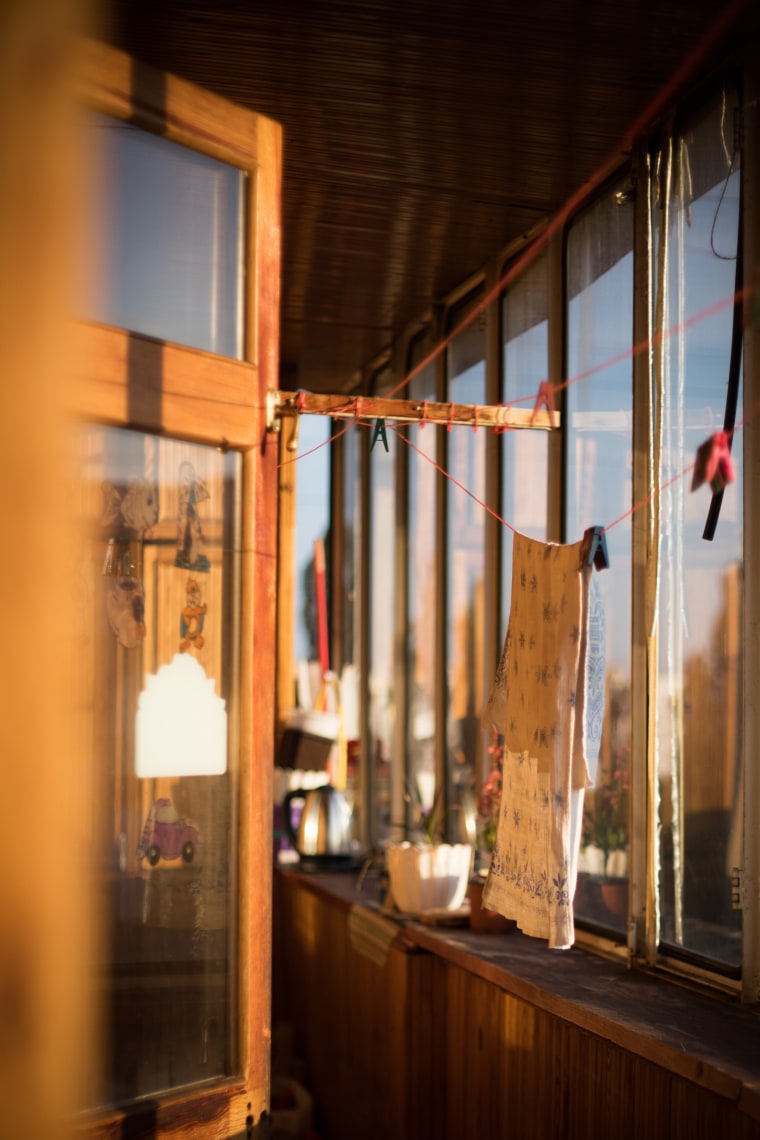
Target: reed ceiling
420,136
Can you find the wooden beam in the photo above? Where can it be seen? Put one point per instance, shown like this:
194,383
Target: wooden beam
364,408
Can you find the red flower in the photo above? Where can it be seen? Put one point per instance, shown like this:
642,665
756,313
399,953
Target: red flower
490,796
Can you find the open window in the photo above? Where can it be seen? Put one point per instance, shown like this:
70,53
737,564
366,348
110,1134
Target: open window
176,491
700,562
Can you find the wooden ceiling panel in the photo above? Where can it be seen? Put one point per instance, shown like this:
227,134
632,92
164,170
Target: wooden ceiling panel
420,136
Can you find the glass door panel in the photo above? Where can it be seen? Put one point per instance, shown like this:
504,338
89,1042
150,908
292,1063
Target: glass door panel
160,646
166,230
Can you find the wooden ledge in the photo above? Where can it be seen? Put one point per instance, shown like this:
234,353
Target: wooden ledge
709,1040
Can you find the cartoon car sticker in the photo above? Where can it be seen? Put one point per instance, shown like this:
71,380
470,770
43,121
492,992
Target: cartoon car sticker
167,836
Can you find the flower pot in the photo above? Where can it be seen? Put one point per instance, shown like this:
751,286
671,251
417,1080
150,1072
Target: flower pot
482,919
614,892
425,876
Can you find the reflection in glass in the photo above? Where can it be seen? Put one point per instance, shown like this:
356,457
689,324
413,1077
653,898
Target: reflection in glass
599,270
166,842
700,600
465,569
165,230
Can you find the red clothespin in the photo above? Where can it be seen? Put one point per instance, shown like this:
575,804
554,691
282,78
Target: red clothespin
545,398
358,407
423,417
713,464
379,431
475,424
450,424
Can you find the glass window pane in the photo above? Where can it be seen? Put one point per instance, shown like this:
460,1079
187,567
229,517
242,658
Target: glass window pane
599,269
382,591
304,757
159,635
350,600
312,480
525,334
700,602
524,475
465,569
165,232
421,666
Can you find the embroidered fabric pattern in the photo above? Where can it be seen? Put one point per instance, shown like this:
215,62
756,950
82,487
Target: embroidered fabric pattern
524,806
547,700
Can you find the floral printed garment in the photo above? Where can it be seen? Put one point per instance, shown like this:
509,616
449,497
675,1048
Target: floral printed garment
547,700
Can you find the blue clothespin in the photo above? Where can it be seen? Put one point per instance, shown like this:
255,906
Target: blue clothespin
379,431
597,554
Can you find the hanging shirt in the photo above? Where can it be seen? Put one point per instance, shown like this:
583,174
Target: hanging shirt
547,701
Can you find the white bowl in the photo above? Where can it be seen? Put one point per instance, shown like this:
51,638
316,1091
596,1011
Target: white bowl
426,876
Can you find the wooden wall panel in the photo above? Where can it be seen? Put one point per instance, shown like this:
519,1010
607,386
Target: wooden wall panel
514,1070
369,1033
420,1047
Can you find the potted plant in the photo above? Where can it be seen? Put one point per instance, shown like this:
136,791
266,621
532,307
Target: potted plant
604,838
490,801
605,823
426,873
481,918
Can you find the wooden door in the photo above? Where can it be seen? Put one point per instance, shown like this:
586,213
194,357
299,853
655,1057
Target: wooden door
175,490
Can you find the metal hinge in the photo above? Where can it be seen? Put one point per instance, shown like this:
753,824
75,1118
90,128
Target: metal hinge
737,888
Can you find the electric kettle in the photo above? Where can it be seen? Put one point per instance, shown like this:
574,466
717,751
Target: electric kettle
325,829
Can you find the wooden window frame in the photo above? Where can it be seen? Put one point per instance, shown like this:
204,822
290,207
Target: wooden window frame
124,379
